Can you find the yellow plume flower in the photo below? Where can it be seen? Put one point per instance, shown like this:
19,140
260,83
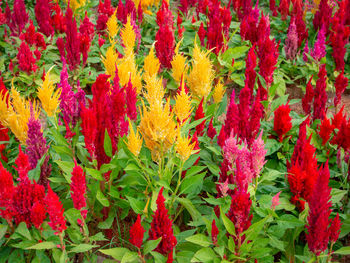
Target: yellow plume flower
183,107
110,61
158,128
134,141
154,90
16,114
128,37
75,4
127,69
49,98
178,65
202,73
151,64
112,26
219,92
184,147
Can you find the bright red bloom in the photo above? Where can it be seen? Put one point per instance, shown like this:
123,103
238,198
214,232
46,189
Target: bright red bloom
55,210
320,98
282,121
214,233
284,9
18,18
320,209
337,119
78,187
342,138
334,229
38,214
7,191
131,99
42,15
22,162
323,16
72,43
202,33
211,132
105,10
199,115
26,61
250,73
137,233
126,10
308,97
86,35
58,19
32,37
341,83
326,129
161,226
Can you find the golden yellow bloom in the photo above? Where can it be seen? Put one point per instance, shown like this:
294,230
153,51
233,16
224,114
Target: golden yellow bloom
134,141
110,61
127,69
183,107
202,73
154,90
178,65
49,98
219,92
151,64
15,116
128,37
184,147
75,4
112,26
158,128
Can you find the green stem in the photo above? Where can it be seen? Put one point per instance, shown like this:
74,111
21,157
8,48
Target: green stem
177,186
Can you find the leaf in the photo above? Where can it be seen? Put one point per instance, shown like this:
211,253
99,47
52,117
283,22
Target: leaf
101,198
272,146
107,144
200,239
191,182
67,168
116,253
151,245
337,195
136,205
82,248
227,223
23,230
205,254
130,257
3,229
289,221
195,214
94,174
343,251
43,245
253,231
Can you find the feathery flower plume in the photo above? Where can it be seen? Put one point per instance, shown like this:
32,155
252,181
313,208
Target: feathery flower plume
214,233
50,99
291,45
161,226
26,61
151,64
178,65
219,92
326,129
55,210
211,132
182,106
105,10
308,97
334,229
42,15
320,98
284,9
341,83
18,18
112,26
184,147
323,16
282,121
319,50
72,43
137,233
199,115
78,188
131,99
134,141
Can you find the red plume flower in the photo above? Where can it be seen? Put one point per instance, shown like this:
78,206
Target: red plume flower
42,15
26,60
326,129
18,19
161,226
38,214
334,229
282,121
284,9
78,187
72,43
323,16
308,97
137,233
320,98
214,233
55,210
131,99
341,83
211,132
199,115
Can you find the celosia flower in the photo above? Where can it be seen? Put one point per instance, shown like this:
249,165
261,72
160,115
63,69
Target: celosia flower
161,226
42,15
291,44
284,9
320,209
55,210
200,115
37,148
250,73
75,4
219,92
338,118
72,43
211,132
131,99
184,147
182,106
78,187
319,50
202,33
110,61
178,65
134,141
112,26
151,64
26,61
202,73
58,18
7,191
275,201
258,153
342,138
308,97
137,233
326,129
323,16
49,98
128,37
341,83
334,229
18,18
105,10
38,214
22,163
320,98
282,121
214,233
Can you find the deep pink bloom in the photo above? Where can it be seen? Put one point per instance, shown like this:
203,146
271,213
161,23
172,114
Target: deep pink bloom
42,15
282,121
319,50
291,44
308,97
214,233
55,210
162,226
72,43
131,99
18,18
341,83
26,60
258,153
320,209
105,10
211,132
275,200
320,98
78,187
323,16
136,233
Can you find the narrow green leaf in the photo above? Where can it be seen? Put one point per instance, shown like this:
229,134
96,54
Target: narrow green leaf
151,245
101,198
107,144
116,252
227,223
200,239
43,245
82,248
343,251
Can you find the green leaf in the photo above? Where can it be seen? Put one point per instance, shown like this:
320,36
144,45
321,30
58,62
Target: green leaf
23,230
190,183
67,168
43,245
130,257
94,174
205,254
200,239
116,253
101,198
151,245
195,214
343,251
81,248
337,195
227,223
3,229
253,231
272,146
107,144
136,205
